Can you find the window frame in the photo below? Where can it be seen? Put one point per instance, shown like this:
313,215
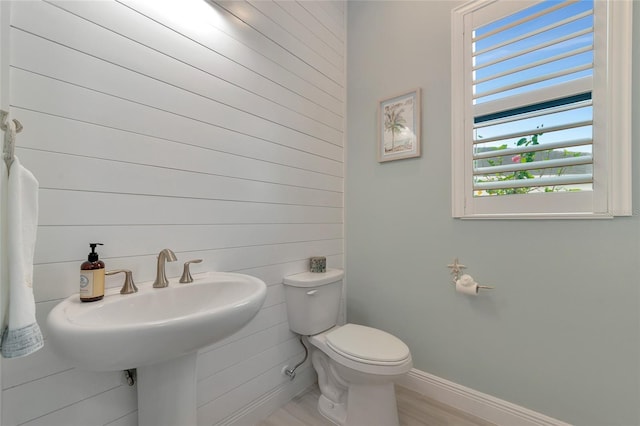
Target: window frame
611,195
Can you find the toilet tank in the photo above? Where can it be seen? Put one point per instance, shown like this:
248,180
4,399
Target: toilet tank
313,300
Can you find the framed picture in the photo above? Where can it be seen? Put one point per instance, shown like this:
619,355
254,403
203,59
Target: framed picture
399,127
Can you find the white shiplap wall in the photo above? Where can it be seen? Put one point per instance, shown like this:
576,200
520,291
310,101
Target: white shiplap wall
218,134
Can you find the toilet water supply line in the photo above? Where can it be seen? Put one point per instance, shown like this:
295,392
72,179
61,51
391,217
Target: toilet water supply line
291,372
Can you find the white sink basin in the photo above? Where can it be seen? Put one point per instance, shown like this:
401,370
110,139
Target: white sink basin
155,324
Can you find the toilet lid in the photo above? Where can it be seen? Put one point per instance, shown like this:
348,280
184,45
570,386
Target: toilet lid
366,343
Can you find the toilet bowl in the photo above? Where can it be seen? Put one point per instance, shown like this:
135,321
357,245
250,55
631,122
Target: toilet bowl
356,365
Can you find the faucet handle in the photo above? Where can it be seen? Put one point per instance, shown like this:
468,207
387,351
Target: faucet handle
186,274
129,286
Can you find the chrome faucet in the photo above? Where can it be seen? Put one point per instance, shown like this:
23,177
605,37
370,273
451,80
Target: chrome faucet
165,255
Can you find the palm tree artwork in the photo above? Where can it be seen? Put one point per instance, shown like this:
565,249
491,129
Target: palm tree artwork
395,123
399,127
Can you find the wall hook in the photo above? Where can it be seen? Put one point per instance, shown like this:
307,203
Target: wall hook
11,128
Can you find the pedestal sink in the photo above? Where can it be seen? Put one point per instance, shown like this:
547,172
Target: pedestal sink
158,331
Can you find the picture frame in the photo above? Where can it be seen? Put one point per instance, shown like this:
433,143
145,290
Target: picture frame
399,126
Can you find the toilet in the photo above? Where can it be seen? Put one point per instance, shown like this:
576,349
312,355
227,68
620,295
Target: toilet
356,365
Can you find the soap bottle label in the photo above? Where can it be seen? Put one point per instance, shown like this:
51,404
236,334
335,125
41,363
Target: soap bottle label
86,284
91,283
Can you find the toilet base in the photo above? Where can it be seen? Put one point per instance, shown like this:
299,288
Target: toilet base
372,405
367,405
335,413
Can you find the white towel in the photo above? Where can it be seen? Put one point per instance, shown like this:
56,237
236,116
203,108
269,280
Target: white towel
4,272
22,336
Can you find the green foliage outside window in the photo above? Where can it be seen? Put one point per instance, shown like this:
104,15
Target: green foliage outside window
526,157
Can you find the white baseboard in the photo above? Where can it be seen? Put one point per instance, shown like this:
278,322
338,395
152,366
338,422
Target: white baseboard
476,403
262,407
470,401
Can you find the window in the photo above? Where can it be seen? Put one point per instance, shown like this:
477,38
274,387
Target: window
541,119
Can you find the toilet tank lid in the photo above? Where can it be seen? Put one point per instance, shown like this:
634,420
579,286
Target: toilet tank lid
314,279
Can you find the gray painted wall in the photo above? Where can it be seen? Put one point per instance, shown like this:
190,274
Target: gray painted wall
560,334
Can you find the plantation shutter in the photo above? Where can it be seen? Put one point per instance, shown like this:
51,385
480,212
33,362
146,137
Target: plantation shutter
532,107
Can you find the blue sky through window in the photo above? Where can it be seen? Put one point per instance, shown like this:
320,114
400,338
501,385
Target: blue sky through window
513,59
485,56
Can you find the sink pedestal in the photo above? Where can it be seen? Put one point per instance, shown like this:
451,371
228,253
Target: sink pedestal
167,392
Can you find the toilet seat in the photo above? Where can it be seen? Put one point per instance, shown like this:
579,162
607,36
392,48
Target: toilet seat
367,345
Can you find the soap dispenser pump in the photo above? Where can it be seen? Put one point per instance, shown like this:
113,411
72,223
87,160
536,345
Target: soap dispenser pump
92,277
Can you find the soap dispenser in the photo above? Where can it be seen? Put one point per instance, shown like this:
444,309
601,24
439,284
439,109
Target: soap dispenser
92,277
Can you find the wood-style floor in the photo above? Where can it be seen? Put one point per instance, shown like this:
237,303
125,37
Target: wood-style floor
413,410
